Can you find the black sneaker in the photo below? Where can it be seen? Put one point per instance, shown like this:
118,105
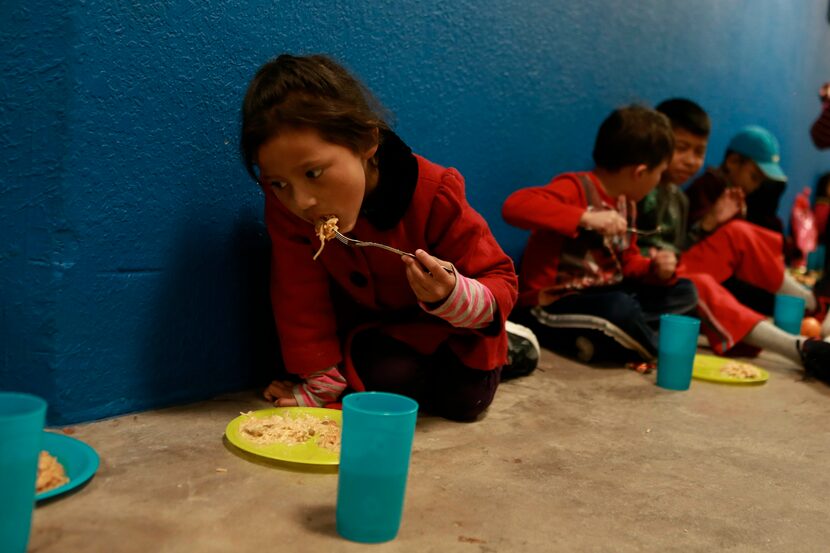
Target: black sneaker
523,351
815,356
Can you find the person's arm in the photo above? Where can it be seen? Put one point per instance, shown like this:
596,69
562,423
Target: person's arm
303,313
820,131
486,286
469,305
550,207
658,268
821,210
711,202
317,390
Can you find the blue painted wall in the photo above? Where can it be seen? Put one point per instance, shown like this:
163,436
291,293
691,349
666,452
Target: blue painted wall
133,260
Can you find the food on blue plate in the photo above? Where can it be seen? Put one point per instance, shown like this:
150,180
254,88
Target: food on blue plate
50,473
288,430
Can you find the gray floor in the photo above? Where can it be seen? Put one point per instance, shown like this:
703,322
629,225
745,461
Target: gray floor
568,459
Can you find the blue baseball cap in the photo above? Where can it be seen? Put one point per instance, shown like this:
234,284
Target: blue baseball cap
759,145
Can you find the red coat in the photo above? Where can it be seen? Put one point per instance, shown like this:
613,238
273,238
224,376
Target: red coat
552,212
317,304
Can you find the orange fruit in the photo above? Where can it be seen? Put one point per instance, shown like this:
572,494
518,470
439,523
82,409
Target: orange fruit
810,327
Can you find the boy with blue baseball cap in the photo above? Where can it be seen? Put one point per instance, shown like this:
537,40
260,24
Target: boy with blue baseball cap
761,146
749,183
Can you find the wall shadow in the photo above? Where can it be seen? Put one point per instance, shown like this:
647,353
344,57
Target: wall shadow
213,330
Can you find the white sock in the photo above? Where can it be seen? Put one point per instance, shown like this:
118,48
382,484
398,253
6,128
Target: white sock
766,335
792,287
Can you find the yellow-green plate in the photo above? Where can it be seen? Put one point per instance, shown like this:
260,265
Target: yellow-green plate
708,367
308,452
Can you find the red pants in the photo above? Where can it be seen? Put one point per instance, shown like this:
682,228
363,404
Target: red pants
749,253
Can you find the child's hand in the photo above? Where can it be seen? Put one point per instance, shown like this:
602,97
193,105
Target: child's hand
607,222
727,206
427,277
665,263
280,394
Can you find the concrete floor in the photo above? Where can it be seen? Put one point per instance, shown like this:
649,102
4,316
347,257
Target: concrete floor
569,459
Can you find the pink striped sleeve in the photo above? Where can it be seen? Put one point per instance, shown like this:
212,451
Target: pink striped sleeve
320,388
469,305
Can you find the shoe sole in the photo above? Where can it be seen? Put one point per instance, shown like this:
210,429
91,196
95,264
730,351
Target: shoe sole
525,333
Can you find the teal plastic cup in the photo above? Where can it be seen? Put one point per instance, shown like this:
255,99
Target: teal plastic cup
21,431
374,462
676,351
788,313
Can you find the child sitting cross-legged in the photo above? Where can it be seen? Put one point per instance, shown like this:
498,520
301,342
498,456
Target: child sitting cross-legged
430,323
723,249
585,288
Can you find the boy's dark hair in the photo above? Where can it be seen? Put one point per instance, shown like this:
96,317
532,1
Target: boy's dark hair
308,92
633,135
687,115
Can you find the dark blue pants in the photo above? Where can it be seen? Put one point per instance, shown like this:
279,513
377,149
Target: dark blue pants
632,307
440,383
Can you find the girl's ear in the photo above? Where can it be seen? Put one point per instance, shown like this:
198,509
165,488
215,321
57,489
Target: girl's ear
372,150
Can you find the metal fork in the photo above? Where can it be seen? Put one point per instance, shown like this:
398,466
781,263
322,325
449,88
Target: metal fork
361,244
351,242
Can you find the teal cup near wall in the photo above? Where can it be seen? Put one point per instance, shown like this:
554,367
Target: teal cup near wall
21,429
676,351
376,445
788,313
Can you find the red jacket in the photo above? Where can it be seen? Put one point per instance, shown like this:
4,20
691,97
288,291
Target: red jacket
552,213
317,304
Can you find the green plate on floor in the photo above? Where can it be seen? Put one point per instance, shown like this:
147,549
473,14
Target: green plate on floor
308,452
79,462
711,367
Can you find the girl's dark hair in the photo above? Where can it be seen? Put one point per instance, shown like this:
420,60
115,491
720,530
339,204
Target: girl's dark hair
633,135
312,92
687,115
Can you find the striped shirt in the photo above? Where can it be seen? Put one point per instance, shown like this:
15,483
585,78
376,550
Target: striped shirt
320,388
469,305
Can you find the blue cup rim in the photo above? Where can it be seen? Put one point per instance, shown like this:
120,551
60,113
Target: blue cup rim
410,408
789,298
679,318
30,404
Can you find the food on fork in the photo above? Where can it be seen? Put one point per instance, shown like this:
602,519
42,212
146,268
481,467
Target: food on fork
326,229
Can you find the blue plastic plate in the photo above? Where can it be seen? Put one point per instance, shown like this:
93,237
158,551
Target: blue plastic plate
78,459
